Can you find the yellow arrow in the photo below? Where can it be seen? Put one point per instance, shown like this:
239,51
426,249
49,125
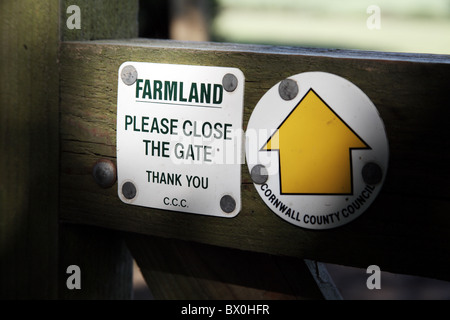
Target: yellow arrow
314,146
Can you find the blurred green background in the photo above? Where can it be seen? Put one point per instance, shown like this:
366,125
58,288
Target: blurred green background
421,26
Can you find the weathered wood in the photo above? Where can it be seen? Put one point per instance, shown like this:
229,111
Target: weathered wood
323,280
29,150
103,258
176,269
101,19
408,222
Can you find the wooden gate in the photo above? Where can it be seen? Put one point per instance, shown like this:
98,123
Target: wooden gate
58,118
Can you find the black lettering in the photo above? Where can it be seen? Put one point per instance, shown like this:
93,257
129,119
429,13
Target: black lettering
155,127
207,154
179,152
164,126
218,130
188,133
144,124
128,121
170,178
134,125
227,130
206,129
350,209
272,197
173,126
177,179
283,207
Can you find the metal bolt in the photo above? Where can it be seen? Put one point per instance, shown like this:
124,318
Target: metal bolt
371,173
229,82
129,75
288,89
104,173
129,190
227,204
259,174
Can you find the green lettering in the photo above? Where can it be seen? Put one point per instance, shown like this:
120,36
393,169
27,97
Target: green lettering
144,124
164,127
134,125
226,130
208,154
138,87
205,93
182,99
217,94
128,120
173,125
155,127
193,94
170,90
157,90
207,130
217,128
147,92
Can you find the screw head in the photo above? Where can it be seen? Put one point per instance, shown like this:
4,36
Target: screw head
372,173
229,82
129,190
288,89
259,174
104,173
129,75
227,204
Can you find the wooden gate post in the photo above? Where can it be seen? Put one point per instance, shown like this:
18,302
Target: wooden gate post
104,260
29,152
34,250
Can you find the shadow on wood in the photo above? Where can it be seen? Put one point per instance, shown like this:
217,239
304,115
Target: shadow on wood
175,269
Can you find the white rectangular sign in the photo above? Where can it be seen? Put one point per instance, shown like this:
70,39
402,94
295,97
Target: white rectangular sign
179,137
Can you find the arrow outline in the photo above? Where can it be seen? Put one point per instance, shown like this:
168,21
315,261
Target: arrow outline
350,149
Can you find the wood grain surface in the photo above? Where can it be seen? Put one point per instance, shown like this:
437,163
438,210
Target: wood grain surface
29,149
404,230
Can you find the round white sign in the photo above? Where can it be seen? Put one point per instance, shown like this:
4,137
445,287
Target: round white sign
317,150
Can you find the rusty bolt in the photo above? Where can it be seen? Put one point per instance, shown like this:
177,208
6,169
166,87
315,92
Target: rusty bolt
104,173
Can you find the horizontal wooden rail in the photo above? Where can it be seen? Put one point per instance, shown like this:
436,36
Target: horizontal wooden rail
405,230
